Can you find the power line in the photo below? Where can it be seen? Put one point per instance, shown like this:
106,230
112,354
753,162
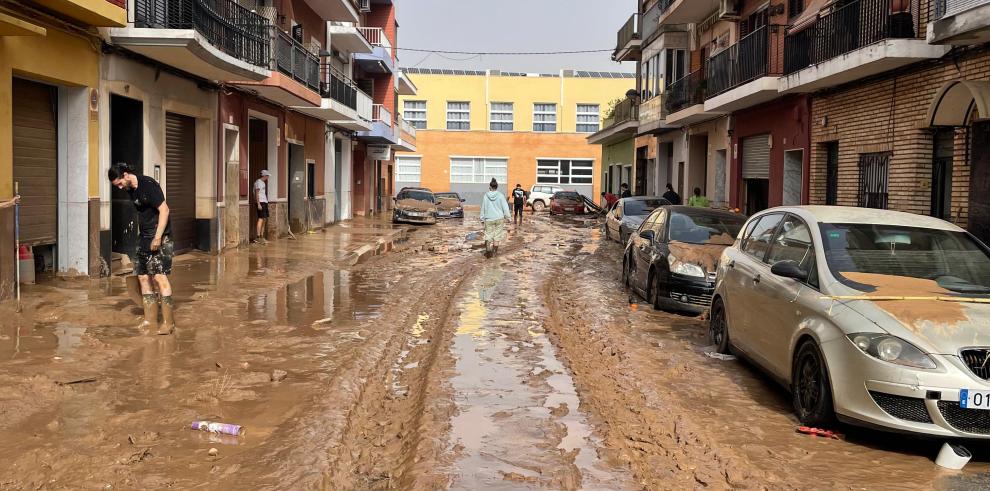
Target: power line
507,53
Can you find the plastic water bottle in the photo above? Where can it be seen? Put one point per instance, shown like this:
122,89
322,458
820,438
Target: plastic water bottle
212,427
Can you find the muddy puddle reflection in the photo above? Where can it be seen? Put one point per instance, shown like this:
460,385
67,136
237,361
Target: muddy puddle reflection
519,423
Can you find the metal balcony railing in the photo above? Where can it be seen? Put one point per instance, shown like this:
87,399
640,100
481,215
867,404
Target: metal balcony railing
338,87
624,112
686,92
228,26
294,60
851,27
380,114
754,56
376,36
407,127
630,31
948,8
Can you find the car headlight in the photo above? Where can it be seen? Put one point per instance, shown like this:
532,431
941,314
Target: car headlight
686,269
892,349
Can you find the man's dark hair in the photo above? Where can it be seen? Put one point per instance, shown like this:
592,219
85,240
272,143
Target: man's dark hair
623,185
116,171
603,193
670,186
697,191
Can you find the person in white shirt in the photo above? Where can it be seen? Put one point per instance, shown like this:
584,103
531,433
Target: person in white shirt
261,198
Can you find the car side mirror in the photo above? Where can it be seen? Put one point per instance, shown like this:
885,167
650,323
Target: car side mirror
463,200
647,234
789,269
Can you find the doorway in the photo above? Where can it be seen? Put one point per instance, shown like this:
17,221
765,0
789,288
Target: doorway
257,162
793,177
35,170
338,185
297,189
942,154
757,195
639,187
180,179
126,145
721,200
232,187
979,182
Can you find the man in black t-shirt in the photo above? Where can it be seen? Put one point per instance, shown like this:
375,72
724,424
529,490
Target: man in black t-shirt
155,248
518,204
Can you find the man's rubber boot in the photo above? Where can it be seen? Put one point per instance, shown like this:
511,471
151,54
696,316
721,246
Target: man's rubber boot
168,320
150,303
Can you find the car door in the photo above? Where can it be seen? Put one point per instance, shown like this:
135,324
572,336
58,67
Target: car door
639,253
745,271
777,311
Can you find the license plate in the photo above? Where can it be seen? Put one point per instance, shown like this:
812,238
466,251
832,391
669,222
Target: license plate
444,214
974,399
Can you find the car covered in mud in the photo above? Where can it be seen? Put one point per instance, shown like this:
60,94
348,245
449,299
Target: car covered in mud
415,205
671,259
450,205
564,202
628,214
875,317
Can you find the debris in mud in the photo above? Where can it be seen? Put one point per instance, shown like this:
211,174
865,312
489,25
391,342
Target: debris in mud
77,381
222,428
323,321
807,430
720,356
139,456
214,452
279,375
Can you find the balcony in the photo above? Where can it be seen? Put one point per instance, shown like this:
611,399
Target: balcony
295,79
213,39
97,13
343,103
348,38
653,115
863,38
686,11
960,22
627,47
404,85
622,124
383,130
13,26
746,73
380,59
685,102
407,136
336,10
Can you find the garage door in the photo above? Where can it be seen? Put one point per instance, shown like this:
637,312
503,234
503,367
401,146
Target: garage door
180,178
35,138
756,157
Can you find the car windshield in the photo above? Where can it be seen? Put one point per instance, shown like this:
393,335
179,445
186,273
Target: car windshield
705,228
567,195
447,196
641,207
952,259
416,195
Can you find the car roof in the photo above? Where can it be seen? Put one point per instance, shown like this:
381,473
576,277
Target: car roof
641,198
850,214
689,210
415,189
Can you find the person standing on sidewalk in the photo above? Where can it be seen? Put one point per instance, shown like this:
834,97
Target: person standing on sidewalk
698,200
155,248
494,215
518,204
624,191
671,195
261,198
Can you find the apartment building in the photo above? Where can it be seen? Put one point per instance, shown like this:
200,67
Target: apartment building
519,128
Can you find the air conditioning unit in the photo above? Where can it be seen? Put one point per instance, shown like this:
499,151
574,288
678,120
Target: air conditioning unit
728,10
364,6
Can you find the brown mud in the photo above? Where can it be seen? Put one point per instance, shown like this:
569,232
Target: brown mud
912,313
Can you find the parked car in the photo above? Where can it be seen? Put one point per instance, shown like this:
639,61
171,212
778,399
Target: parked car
671,259
450,205
564,202
628,214
415,205
875,317
539,196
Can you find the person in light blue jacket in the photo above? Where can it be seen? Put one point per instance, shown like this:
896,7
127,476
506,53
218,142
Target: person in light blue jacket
495,215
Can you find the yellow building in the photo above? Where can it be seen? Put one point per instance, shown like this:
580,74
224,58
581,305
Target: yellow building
49,129
518,128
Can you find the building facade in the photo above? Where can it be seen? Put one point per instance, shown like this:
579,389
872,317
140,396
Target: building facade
518,128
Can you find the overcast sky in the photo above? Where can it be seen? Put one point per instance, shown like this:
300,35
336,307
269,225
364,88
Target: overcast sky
512,25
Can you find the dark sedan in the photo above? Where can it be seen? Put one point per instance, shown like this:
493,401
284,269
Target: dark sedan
450,205
671,259
628,214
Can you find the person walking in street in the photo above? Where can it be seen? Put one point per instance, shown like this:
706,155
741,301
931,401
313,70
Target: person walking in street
495,215
670,195
261,198
698,200
155,248
624,191
609,200
518,204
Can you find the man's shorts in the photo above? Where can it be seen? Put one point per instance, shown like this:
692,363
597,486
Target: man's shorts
263,211
157,262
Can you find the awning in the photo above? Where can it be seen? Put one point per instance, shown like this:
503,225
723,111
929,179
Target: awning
955,103
809,15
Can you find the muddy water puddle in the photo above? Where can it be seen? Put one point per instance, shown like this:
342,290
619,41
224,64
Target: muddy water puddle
519,422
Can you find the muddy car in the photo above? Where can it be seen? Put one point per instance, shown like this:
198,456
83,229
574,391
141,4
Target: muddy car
415,205
564,202
876,317
671,259
628,214
450,205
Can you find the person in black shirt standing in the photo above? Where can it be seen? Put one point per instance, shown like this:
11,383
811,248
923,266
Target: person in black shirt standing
155,248
624,191
518,204
671,195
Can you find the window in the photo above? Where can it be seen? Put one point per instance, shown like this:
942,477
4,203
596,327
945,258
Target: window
408,169
831,173
704,228
676,66
795,7
501,116
758,242
545,117
873,172
415,114
478,170
650,78
794,243
588,118
459,116
565,171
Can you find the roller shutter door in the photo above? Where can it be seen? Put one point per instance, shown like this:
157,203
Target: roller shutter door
180,178
35,139
756,157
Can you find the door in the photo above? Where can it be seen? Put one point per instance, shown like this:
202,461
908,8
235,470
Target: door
979,182
232,188
942,153
180,179
257,162
35,152
126,145
793,177
745,271
297,189
338,185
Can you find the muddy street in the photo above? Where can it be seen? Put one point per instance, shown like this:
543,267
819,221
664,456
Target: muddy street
374,356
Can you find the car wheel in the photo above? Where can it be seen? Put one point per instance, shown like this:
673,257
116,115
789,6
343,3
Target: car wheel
623,238
810,387
718,327
606,233
539,206
655,290
625,272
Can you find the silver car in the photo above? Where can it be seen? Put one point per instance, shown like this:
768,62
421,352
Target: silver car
878,318
628,214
